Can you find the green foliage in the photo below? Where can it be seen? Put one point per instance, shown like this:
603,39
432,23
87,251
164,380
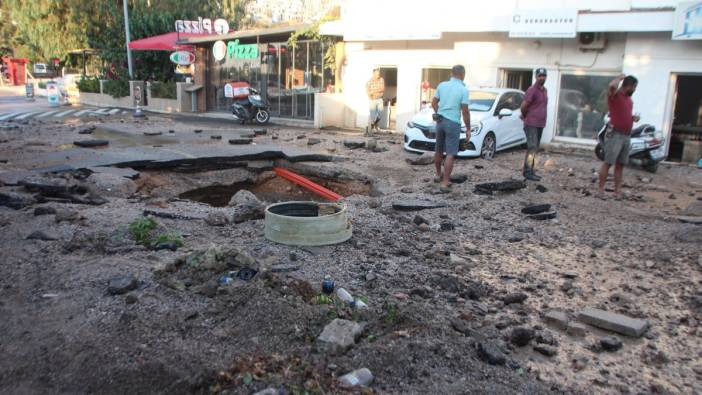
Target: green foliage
312,33
322,299
171,237
392,314
164,90
117,88
89,84
141,230
41,85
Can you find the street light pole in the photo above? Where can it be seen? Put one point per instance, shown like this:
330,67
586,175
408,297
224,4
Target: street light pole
126,30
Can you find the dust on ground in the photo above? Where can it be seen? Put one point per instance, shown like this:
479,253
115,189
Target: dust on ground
435,281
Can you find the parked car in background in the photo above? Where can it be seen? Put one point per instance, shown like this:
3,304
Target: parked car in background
42,70
495,125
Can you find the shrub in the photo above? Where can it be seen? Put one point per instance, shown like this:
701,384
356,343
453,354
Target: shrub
163,90
117,88
88,84
141,230
41,85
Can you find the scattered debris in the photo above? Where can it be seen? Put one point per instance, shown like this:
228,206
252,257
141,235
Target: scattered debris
360,377
91,143
426,158
536,209
490,353
614,322
122,284
518,297
240,141
42,235
489,188
611,343
415,205
338,336
543,216
354,144
153,133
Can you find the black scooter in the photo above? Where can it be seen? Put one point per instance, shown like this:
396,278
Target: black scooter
251,109
647,146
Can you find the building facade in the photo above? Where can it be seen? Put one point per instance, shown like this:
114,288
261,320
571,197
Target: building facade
582,45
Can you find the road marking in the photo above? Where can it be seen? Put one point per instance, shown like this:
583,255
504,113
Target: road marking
27,115
81,112
8,116
114,111
64,113
46,114
102,111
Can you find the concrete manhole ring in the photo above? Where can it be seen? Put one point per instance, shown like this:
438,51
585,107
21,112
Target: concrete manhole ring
307,223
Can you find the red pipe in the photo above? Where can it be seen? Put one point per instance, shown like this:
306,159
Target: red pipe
307,184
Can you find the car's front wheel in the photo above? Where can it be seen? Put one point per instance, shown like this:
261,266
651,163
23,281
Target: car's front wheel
487,151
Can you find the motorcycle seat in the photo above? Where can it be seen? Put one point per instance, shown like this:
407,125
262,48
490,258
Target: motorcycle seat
641,130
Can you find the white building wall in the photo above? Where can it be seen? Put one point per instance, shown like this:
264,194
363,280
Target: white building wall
653,58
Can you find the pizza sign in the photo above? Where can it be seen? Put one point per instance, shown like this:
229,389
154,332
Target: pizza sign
182,58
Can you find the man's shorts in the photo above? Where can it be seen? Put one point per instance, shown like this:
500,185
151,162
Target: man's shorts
448,136
616,147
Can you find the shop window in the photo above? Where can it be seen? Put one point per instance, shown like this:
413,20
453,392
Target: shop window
582,104
431,78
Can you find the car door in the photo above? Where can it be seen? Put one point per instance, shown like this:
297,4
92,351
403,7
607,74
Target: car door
505,129
518,124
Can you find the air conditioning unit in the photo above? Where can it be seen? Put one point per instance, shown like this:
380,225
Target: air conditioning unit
592,41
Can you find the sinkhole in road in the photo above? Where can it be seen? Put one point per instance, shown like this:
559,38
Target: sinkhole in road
273,189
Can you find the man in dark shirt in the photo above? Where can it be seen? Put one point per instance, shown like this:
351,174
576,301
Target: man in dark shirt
534,117
617,140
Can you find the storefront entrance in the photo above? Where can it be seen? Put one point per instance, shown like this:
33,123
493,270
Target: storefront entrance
516,79
389,74
686,136
286,76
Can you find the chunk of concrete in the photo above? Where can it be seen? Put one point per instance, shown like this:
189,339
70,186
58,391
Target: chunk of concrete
576,329
557,318
338,336
614,322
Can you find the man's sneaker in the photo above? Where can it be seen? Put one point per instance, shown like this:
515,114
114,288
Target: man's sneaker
532,177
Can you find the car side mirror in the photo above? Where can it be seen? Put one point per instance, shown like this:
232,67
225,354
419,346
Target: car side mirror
505,112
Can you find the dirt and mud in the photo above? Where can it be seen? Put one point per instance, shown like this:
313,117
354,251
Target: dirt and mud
457,296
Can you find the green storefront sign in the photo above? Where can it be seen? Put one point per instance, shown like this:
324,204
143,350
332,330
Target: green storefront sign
241,51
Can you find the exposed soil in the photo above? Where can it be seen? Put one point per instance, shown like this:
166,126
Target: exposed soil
436,291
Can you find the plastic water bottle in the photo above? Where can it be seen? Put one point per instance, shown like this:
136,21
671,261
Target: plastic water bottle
359,304
361,377
344,295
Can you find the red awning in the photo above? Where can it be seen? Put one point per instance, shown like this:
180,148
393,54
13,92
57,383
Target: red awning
163,42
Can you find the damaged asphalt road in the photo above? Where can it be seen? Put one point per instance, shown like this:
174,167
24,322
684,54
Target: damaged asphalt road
464,292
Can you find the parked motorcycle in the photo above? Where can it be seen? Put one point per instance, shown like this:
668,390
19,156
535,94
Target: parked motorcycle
251,109
647,146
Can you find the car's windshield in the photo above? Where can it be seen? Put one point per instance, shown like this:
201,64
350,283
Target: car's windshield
481,101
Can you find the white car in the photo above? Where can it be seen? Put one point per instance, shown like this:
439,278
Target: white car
495,124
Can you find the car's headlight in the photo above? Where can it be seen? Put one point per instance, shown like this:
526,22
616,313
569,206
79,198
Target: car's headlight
475,130
410,124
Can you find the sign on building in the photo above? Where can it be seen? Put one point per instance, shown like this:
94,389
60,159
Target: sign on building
182,58
688,21
234,50
202,26
544,23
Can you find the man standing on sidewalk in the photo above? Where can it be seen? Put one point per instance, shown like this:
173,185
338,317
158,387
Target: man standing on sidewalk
617,140
449,102
534,116
375,89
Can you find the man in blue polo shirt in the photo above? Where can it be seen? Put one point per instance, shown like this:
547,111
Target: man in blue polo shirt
450,101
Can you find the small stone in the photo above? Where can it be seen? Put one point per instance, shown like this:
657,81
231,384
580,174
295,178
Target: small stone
456,260
542,189
371,144
370,276
43,235
67,216
338,336
525,229
407,190
426,158
217,218
515,239
313,141
131,299
614,322
546,350
491,354
567,285
521,336
354,144
611,343
446,226
240,141
546,337
122,284
424,227
579,362
400,296
243,196
518,297
598,243
166,245
360,377
374,203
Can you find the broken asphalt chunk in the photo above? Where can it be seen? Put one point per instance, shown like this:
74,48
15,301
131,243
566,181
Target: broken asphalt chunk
536,209
426,158
491,354
354,144
91,143
415,205
501,186
240,141
543,216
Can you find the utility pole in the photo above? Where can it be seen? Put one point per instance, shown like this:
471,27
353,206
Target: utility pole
126,31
